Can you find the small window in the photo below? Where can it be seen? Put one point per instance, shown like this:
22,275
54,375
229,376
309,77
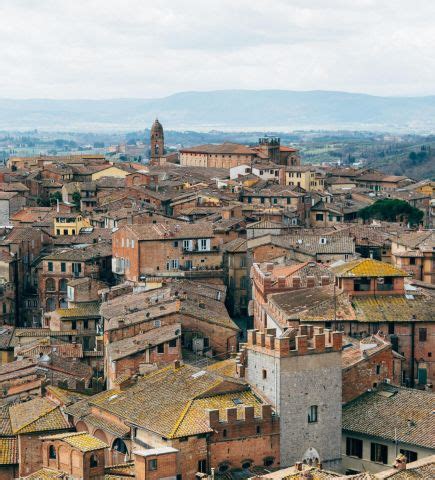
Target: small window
410,455
319,217
354,447
93,461
391,328
268,461
412,261
258,430
264,374
422,334
224,432
73,325
152,464
63,267
379,453
173,343
176,243
202,466
312,414
161,348
52,452
246,465
50,266
85,324
224,467
378,369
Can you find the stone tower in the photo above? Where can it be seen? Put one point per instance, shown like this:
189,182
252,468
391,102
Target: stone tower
157,142
299,374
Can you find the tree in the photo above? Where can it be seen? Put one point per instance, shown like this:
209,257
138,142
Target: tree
392,210
76,198
54,198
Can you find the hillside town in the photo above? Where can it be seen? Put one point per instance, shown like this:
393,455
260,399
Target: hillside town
219,312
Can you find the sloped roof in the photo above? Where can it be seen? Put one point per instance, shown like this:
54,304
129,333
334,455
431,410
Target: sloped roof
8,451
37,415
393,412
83,441
367,267
168,394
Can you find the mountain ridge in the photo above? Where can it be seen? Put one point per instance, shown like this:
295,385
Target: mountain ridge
230,109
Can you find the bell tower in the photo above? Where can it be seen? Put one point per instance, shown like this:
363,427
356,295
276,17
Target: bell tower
157,142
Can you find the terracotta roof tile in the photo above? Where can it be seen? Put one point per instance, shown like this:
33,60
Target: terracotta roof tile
8,451
83,441
393,412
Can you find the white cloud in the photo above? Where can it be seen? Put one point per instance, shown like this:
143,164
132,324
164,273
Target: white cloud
137,48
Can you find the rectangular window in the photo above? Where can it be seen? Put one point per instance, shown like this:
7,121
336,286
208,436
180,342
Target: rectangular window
187,245
319,217
312,414
264,374
391,328
174,264
63,267
176,243
161,348
132,243
73,325
378,453
412,261
354,447
50,266
173,343
128,242
410,455
203,244
422,334
202,466
152,464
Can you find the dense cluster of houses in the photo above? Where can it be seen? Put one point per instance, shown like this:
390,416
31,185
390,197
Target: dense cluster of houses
219,313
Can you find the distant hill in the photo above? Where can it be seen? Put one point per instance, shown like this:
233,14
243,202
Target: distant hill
226,109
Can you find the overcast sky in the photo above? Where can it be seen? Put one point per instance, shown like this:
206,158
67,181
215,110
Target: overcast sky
152,48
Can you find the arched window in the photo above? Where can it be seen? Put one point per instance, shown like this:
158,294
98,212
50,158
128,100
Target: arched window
120,446
246,464
50,285
52,452
93,461
223,467
268,461
63,283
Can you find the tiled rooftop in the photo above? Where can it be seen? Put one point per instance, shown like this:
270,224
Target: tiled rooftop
393,412
83,441
367,267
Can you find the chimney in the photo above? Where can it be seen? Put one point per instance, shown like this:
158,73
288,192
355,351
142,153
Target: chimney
400,463
177,364
298,466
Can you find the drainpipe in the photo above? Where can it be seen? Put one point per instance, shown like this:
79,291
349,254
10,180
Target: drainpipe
412,350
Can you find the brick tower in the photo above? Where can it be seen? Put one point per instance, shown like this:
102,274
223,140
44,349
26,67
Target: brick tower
157,142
